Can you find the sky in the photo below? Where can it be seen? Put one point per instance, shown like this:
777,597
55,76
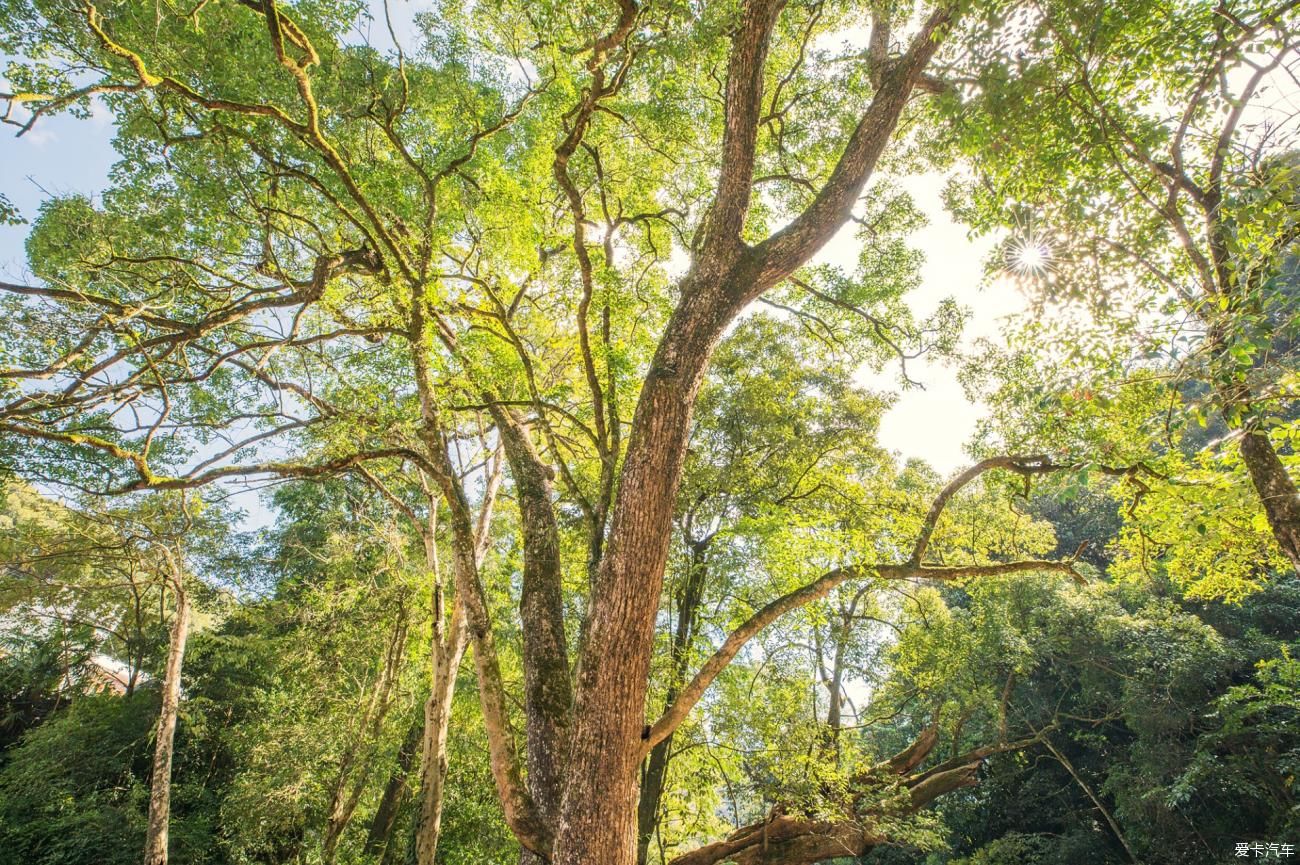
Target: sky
934,422
62,155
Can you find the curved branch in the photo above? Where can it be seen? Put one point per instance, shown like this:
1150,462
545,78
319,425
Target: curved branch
675,714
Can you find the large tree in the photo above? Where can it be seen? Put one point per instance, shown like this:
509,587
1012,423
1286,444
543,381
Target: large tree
528,230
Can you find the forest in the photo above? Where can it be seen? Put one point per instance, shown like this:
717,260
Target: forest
459,431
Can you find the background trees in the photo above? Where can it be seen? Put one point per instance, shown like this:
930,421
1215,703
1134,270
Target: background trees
1173,218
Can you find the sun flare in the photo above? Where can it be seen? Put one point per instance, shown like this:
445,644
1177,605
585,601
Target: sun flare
1030,255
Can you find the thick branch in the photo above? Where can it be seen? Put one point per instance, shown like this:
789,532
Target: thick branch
790,247
744,108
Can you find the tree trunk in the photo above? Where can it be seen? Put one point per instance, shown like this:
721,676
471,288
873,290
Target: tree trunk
155,848
437,720
1277,492
395,792
355,767
548,698
597,820
1096,800
652,794
598,817
656,765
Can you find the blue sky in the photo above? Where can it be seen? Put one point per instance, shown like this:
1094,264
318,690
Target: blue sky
59,156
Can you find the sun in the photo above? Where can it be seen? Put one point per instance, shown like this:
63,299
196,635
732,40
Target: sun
1029,254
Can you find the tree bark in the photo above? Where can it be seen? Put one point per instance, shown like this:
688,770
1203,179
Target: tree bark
598,815
548,698
656,765
1277,492
155,848
395,792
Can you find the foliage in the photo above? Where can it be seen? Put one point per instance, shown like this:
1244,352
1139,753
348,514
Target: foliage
520,316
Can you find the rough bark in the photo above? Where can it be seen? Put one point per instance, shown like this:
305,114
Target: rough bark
548,699
597,822
155,850
1277,492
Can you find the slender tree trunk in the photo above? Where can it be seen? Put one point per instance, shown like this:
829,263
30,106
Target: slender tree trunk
652,793
1083,785
155,849
354,770
656,765
395,792
437,720
835,709
450,635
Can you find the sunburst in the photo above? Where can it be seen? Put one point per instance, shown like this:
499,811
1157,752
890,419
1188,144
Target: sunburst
1030,253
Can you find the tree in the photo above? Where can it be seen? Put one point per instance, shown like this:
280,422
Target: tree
64,564
1140,158
1149,759
528,235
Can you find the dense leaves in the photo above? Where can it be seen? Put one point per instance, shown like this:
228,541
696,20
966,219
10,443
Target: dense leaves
536,334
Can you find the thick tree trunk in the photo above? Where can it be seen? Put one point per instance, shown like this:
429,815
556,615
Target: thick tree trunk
598,817
1273,485
155,849
548,700
1277,492
395,792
